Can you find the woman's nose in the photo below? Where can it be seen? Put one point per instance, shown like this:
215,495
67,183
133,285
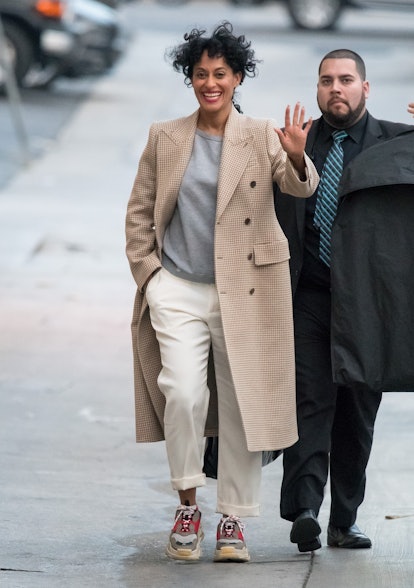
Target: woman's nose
210,81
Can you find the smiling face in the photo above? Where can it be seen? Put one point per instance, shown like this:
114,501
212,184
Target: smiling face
214,83
341,92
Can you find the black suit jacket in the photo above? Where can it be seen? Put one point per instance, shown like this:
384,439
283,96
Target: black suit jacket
290,211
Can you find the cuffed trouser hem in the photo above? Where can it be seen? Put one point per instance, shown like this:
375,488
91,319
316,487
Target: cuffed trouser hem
239,511
187,483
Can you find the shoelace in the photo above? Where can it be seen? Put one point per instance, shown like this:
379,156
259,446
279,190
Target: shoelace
185,513
231,521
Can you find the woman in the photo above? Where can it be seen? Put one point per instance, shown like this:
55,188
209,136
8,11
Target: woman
212,269
410,108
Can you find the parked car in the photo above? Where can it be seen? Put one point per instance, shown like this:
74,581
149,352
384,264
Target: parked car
45,39
324,14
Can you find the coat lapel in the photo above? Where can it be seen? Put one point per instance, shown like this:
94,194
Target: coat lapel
181,137
237,149
373,134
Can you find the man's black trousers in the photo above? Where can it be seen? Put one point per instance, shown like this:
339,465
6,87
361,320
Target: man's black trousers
336,424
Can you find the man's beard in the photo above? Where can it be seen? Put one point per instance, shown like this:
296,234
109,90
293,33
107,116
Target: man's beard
344,121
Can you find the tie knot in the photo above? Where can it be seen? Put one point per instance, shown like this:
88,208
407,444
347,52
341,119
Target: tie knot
339,136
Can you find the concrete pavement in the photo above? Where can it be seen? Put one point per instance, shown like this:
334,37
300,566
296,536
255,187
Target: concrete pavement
81,505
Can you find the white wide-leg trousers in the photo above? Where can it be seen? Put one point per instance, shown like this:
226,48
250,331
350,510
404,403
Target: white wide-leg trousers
187,320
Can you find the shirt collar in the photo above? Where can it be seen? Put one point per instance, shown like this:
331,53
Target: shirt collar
356,132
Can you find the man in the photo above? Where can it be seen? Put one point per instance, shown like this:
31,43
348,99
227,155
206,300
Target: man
335,423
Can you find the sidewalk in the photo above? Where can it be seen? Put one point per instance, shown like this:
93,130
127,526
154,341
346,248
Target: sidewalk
81,505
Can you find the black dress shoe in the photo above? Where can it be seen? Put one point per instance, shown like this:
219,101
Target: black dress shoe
305,531
348,537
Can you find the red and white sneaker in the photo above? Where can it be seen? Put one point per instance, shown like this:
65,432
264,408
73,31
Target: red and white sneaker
231,545
186,534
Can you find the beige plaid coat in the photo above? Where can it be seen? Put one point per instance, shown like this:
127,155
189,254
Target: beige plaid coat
252,272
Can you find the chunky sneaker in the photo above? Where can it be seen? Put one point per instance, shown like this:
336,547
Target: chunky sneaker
186,534
230,540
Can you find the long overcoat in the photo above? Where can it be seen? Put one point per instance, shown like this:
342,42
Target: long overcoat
251,271
372,269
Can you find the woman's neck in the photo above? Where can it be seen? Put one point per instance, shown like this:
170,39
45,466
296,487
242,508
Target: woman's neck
212,124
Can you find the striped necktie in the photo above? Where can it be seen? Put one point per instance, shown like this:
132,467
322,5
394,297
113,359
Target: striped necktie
326,203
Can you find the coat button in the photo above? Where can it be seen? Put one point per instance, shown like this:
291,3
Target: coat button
153,227
251,291
250,256
247,221
253,184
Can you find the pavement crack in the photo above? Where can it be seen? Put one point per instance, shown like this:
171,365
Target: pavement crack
310,570
19,570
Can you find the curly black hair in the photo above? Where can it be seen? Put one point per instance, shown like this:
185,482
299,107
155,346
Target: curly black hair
236,51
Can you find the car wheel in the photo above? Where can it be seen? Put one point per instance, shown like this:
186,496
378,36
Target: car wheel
20,53
315,14
247,2
172,2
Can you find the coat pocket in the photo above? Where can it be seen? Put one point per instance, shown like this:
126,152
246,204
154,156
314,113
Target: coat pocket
268,253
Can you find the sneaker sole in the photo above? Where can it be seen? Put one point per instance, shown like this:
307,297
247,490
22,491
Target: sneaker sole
185,554
232,554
